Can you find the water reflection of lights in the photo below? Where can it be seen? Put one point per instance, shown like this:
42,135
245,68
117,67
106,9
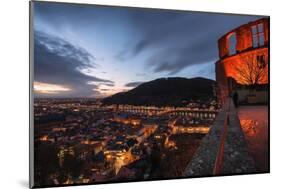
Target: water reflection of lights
254,122
249,127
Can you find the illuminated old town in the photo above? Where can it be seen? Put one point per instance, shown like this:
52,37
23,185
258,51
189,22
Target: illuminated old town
112,142
194,104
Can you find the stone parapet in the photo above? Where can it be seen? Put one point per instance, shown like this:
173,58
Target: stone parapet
230,140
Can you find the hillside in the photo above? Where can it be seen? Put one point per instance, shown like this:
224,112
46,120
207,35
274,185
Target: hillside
165,91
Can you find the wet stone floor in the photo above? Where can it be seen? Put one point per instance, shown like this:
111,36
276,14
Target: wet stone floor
254,122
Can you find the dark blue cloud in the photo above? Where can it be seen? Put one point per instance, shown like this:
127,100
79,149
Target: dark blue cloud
57,61
180,39
133,84
156,42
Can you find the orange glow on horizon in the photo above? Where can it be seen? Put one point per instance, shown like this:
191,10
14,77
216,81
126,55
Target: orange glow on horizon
47,88
106,91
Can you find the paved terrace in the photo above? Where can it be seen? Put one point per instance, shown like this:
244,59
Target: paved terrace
254,122
223,151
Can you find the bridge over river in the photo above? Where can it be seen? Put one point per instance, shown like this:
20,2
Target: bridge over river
182,111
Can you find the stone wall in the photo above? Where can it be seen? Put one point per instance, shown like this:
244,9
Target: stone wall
243,37
247,55
235,157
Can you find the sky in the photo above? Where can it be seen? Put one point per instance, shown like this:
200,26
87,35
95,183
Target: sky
97,51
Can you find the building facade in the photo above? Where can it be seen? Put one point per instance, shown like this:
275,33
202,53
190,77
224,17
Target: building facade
243,57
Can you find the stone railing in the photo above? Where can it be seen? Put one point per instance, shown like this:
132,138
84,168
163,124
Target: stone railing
223,151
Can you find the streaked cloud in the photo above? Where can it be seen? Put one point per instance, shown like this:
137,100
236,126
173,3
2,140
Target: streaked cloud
99,50
60,62
133,84
47,88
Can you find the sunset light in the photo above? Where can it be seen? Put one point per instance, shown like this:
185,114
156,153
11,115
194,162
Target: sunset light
127,94
46,88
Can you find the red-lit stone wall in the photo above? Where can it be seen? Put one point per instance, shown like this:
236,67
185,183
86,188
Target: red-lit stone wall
226,66
230,64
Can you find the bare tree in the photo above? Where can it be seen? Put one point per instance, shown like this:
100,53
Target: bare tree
252,70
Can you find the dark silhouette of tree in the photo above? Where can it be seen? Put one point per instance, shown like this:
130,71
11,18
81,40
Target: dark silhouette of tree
46,163
155,158
72,165
253,69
